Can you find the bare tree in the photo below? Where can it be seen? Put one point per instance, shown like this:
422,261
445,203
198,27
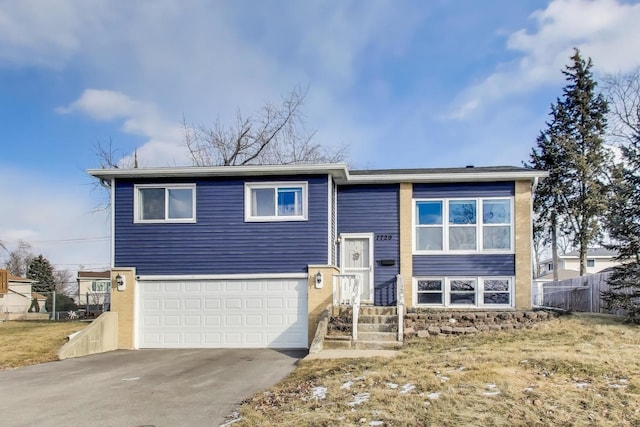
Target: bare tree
274,135
64,283
623,95
19,259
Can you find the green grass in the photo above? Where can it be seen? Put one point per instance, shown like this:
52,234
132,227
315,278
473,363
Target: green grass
32,342
576,370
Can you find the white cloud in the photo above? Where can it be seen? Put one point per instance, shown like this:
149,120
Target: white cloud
605,30
46,33
164,145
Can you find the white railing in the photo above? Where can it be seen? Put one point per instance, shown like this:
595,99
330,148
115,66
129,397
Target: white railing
346,291
400,304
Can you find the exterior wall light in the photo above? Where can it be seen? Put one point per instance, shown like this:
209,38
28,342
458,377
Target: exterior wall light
121,282
319,281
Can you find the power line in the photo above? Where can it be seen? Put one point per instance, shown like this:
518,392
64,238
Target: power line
44,242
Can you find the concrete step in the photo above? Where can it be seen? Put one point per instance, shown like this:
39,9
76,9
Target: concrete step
368,310
377,345
377,336
386,319
377,327
337,342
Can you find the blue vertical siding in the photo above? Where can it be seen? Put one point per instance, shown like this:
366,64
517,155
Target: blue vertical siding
374,209
220,242
462,265
465,189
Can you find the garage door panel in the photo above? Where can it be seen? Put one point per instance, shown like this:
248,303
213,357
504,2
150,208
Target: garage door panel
225,313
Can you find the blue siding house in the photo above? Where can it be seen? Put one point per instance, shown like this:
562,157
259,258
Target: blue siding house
247,256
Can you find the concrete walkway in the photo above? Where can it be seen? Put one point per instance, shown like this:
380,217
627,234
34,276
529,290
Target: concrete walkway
351,354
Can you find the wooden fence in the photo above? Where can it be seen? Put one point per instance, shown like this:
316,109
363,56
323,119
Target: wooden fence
578,294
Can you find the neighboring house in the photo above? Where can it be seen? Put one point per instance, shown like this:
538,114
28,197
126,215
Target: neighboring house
598,259
94,289
15,296
230,256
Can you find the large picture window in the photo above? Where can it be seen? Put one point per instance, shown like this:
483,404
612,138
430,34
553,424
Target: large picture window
285,201
458,292
165,203
463,225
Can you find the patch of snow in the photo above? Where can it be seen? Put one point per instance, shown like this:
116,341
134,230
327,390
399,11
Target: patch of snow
358,399
376,423
617,385
491,393
460,369
407,388
346,386
582,385
131,379
433,396
623,381
524,361
319,392
528,389
392,385
491,386
442,378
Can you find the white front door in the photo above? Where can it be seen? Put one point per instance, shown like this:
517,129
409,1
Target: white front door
356,253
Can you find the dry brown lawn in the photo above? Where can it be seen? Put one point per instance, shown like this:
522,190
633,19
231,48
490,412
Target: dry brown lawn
31,342
577,370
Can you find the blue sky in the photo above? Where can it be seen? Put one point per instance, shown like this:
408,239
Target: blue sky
401,83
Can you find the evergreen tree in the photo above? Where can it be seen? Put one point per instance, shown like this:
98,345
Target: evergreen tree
573,199
623,225
41,271
548,203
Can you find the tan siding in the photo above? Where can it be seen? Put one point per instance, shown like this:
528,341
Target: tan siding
406,240
523,244
4,282
319,299
123,302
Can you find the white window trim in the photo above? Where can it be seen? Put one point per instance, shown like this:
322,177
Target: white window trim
248,186
106,282
479,227
166,187
446,290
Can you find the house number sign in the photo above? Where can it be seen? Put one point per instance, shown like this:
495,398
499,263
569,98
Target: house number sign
384,237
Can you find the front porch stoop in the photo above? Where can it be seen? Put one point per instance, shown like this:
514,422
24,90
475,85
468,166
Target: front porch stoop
377,330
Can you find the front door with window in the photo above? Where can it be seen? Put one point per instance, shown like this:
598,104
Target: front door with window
357,258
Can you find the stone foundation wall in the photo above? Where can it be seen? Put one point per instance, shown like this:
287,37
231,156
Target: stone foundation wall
428,323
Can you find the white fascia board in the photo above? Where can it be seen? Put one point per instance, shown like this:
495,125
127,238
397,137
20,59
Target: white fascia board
447,177
337,170
178,277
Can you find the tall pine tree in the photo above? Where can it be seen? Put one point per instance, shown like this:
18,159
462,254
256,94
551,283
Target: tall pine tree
41,271
623,225
573,198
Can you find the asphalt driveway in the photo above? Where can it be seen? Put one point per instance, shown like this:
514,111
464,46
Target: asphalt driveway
140,388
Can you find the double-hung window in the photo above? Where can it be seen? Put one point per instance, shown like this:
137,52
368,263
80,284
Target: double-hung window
463,225
496,224
165,203
276,201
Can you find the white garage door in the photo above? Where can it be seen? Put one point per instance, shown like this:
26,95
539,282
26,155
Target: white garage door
254,313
